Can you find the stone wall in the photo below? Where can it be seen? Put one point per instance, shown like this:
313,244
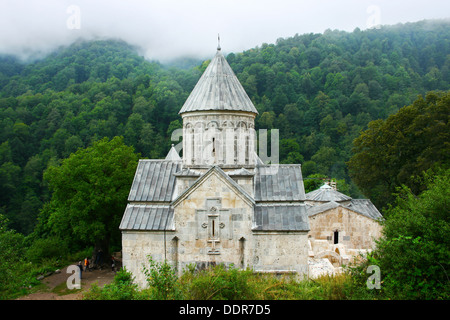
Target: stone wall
225,138
280,252
137,245
355,230
213,225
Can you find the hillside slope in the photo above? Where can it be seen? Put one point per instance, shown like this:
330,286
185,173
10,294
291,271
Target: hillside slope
319,90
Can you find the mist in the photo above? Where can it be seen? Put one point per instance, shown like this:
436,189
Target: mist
168,29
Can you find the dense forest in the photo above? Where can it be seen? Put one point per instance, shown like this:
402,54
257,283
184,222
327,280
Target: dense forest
319,90
336,98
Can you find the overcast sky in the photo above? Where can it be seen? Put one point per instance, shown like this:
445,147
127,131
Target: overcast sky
165,29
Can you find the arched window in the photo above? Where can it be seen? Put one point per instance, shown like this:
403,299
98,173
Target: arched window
336,237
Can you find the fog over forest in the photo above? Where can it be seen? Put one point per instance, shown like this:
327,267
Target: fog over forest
164,30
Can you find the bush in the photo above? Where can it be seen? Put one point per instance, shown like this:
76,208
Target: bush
122,288
163,281
218,283
46,248
414,253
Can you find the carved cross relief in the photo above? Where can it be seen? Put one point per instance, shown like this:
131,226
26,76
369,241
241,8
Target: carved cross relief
213,224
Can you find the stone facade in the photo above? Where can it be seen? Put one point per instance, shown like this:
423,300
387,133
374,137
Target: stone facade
223,138
354,230
213,224
218,203
341,228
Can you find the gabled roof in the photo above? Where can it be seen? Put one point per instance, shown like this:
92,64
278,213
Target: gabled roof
313,210
218,89
173,154
215,169
361,206
278,202
282,182
326,193
365,207
154,180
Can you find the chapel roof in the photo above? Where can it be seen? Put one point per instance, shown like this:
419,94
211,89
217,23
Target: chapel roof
278,198
325,194
361,206
218,89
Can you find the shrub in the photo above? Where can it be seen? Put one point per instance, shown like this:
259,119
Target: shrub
122,288
163,281
46,248
414,253
218,283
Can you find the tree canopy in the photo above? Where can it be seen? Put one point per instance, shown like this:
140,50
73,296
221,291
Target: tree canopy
399,149
89,193
65,170
319,90
414,252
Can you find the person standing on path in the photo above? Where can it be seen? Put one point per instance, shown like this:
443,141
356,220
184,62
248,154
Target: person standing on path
80,266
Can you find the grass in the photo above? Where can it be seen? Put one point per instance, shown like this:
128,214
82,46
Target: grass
220,283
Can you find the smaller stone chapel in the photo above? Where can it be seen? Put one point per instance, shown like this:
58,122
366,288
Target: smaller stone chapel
341,228
219,203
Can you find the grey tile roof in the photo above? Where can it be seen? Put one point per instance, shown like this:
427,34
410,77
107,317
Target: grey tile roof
277,202
280,217
362,206
147,217
312,210
279,183
326,193
218,89
365,207
154,180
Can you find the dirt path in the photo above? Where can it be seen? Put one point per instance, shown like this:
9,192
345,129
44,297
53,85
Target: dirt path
56,285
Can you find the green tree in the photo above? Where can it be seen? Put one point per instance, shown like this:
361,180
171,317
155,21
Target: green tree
392,151
89,192
414,252
11,259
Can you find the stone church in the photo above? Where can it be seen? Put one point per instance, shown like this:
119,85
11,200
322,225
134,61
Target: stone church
341,228
219,203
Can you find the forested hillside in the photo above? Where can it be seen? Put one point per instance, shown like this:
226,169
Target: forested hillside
319,90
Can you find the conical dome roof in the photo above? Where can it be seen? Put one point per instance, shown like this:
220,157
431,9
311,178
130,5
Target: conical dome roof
218,89
326,193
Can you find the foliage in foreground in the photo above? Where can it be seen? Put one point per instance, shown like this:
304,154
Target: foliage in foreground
414,253
222,283
21,263
122,288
